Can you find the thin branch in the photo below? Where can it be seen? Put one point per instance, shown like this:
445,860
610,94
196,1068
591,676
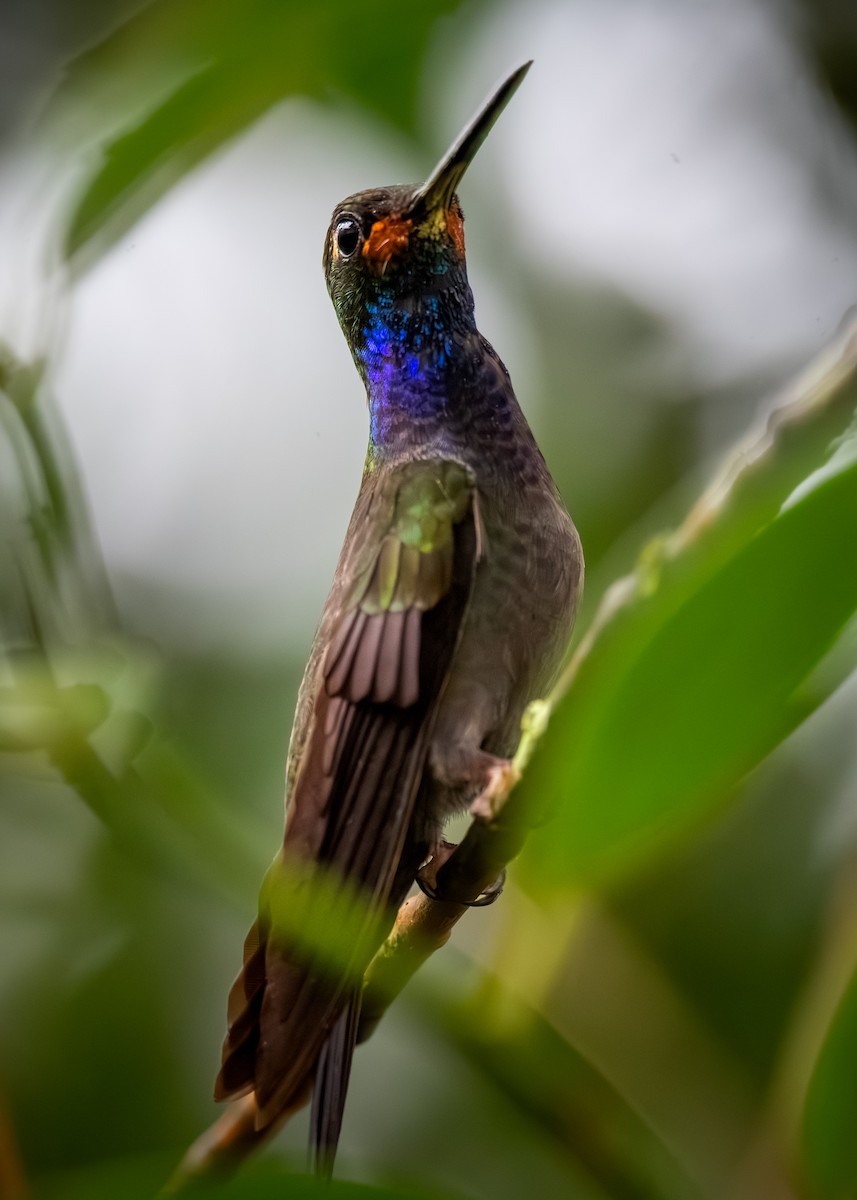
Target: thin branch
221,1148
13,1181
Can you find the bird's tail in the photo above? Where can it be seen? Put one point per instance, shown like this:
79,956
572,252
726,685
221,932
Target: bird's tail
331,1087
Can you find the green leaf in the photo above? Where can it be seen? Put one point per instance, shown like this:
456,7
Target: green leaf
142,1179
830,1114
235,60
269,1182
692,670
558,1091
321,914
141,164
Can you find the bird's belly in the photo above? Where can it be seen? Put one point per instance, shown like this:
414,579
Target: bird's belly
517,627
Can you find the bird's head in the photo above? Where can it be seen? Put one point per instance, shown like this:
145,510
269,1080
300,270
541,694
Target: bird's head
395,245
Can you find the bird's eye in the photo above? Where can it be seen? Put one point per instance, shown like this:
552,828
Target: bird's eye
347,236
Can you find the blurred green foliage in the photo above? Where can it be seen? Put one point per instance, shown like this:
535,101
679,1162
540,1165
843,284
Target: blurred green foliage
697,666
653,1014
233,61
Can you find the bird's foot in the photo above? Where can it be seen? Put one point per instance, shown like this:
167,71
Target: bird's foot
500,778
426,879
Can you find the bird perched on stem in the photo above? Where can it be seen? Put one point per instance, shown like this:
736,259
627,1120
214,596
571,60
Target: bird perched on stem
451,605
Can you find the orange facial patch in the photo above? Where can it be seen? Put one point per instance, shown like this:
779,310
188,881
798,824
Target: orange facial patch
387,237
455,228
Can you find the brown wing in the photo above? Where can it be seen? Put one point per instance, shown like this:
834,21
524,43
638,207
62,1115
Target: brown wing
380,662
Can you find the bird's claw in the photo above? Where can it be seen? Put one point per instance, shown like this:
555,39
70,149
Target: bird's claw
491,893
426,879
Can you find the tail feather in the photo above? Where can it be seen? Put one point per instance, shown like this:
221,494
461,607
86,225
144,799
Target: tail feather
331,1087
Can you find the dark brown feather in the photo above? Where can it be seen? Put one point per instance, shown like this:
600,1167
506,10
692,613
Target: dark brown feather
389,658
361,677
363,750
331,1083
345,646
409,662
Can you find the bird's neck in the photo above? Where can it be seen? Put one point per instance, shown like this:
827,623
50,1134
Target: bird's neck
411,352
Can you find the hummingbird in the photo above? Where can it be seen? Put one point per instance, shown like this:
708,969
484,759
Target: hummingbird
451,605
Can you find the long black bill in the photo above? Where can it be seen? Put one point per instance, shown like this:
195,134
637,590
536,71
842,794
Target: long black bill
437,190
